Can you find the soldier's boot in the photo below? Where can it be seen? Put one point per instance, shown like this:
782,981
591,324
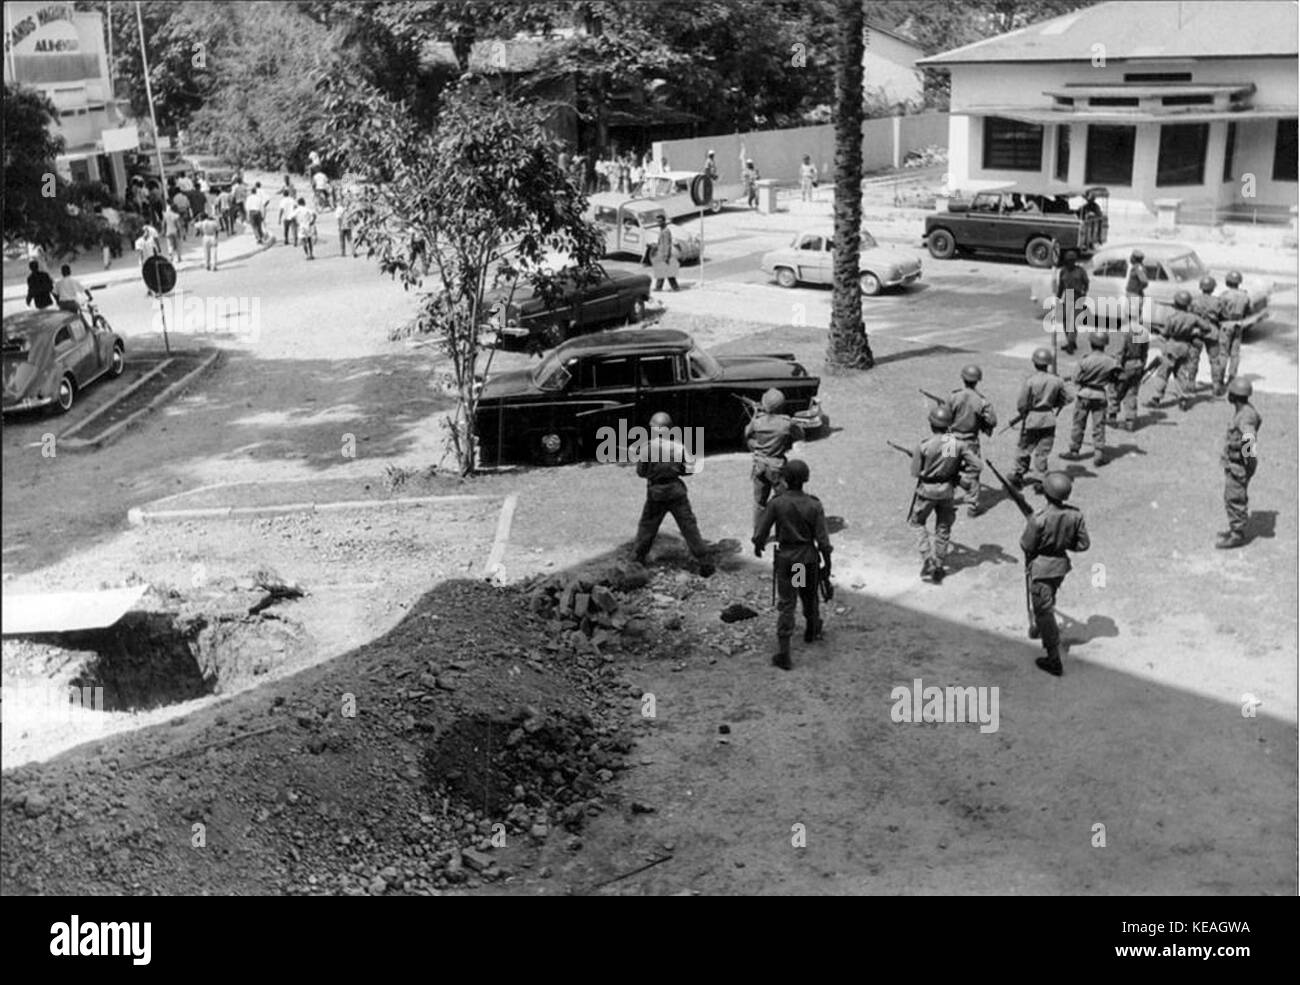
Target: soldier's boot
1074,454
973,504
1051,662
812,631
1099,457
1233,538
707,569
927,569
937,572
1184,404
782,657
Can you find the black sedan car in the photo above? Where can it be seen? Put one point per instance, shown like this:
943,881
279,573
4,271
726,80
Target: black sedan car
555,412
525,319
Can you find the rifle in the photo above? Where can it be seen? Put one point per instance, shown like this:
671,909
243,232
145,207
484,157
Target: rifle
824,584
941,401
1151,367
1018,498
897,447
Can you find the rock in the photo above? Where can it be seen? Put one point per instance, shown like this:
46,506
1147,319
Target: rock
636,628
540,831
581,603
641,808
454,870
603,599
378,886
36,804
573,843
673,622
476,860
737,612
724,729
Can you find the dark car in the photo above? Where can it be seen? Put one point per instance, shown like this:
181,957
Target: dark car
1034,224
525,319
552,413
50,356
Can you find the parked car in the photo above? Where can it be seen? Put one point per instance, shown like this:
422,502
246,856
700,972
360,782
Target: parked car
552,413
810,259
682,193
1171,267
523,316
50,356
219,173
631,226
1034,223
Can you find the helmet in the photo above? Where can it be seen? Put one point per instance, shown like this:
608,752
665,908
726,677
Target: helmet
773,401
971,373
1069,256
1042,358
795,472
661,420
710,153
1057,486
1208,285
1240,388
1181,300
1097,340
1233,279
1137,256
940,417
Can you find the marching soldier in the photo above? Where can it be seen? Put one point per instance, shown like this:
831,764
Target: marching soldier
1095,376
1210,310
801,536
1041,398
662,465
1239,459
1236,306
1131,352
1180,328
1071,293
770,435
937,465
1054,529
971,414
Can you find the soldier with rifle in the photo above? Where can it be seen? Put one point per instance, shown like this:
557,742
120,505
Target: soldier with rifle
1239,459
1041,398
769,434
1134,345
800,524
1095,376
937,465
1210,310
1236,306
1181,327
972,414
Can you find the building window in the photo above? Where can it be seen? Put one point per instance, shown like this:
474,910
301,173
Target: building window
1284,157
1157,76
1182,154
1186,100
1113,101
1229,151
1110,155
1010,145
1063,152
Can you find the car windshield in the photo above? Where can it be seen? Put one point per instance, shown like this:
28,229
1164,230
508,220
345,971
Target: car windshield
551,374
1187,267
868,241
703,366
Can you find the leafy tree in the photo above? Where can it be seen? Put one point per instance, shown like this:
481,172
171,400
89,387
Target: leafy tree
849,347
480,191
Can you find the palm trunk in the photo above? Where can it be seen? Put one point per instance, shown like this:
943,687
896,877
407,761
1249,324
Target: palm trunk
849,347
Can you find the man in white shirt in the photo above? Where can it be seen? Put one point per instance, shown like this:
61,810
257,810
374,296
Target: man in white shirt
255,207
288,208
305,224
68,290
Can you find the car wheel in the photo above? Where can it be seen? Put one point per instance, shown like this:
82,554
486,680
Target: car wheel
715,207
554,448
66,395
785,277
941,244
117,364
1038,252
870,284
637,314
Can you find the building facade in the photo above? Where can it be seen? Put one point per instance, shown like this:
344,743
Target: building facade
889,72
1194,102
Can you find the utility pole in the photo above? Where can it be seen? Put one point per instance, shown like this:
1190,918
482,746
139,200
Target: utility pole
148,92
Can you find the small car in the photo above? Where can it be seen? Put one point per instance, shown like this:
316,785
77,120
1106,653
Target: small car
1170,267
50,356
552,414
682,193
523,318
631,227
810,259
1031,222
218,173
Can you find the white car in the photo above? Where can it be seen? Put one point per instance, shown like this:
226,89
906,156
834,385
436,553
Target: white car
810,259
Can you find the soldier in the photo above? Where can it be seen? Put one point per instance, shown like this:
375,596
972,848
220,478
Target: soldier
1180,328
769,435
1041,398
662,464
1054,529
1239,459
801,536
1131,353
971,414
1071,293
937,465
1095,376
1236,306
1135,284
1209,309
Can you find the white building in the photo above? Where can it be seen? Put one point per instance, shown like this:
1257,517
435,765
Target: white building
889,68
1194,101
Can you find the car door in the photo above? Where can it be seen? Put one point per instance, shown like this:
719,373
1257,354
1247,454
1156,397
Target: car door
983,226
1160,292
79,353
662,386
103,346
603,394
1107,278
597,302
808,258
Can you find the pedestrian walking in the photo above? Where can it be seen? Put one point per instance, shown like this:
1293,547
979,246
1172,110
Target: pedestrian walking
347,211
972,414
1041,398
238,196
40,287
226,213
305,219
1239,459
181,203
288,212
807,179
320,184
172,232
1053,530
1095,377
769,435
749,177
665,260
799,521
208,229
68,291
937,465
662,464
256,205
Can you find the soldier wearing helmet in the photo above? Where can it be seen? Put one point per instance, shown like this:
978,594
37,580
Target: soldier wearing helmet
1210,310
937,465
1136,280
1071,295
1054,529
770,435
1240,459
800,524
971,414
1236,306
662,465
1041,398
1095,378
1180,328
1130,348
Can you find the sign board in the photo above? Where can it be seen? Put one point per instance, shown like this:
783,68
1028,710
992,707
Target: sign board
159,275
120,139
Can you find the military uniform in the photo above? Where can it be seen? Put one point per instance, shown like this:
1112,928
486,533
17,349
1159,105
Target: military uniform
937,465
1054,529
1095,376
1071,291
971,414
1041,396
1180,329
1235,306
800,524
1132,350
1209,309
1239,459
666,493
770,437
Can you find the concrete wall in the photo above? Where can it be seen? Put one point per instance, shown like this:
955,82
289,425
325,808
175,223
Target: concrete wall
889,68
778,153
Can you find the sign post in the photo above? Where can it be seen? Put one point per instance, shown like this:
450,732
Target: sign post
160,277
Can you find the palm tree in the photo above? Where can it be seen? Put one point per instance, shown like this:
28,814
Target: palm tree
849,347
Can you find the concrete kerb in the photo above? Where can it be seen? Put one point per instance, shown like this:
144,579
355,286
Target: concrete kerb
138,516
117,399
114,431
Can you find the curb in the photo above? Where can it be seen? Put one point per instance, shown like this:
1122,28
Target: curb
136,516
113,432
118,399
